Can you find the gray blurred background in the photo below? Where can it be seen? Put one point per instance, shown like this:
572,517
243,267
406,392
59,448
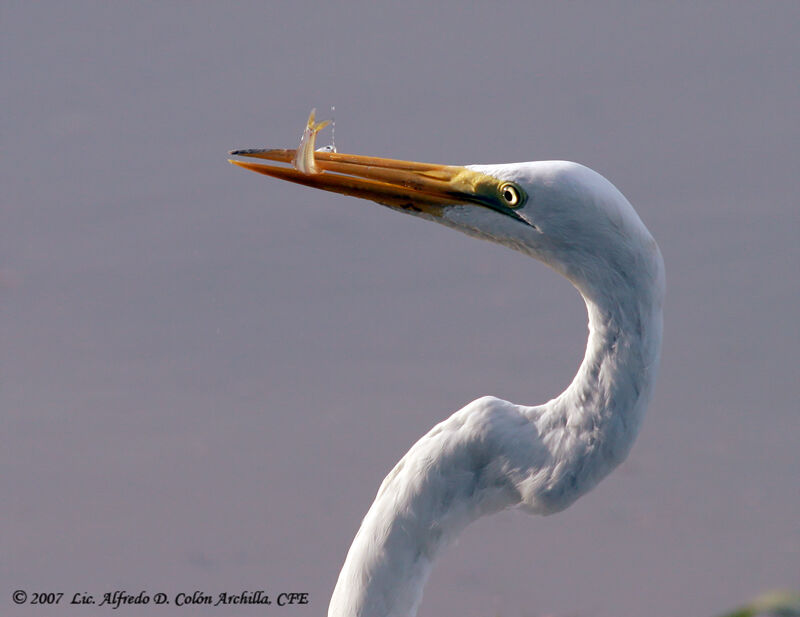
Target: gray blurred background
206,373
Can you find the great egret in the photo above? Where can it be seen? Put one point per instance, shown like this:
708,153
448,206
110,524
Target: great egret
493,454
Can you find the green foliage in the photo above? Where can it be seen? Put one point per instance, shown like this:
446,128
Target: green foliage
773,604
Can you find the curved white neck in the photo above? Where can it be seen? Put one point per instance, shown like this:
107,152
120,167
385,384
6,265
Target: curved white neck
493,454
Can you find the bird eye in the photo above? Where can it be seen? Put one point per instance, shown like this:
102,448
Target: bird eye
512,195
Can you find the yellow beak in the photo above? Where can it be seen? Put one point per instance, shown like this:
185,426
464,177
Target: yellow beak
404,185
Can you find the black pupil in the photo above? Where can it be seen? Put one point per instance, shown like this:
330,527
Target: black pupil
509,195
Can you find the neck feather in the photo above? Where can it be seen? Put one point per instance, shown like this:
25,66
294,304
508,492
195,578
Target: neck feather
589,429
492,455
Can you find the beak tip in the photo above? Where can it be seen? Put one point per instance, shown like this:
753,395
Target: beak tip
246,151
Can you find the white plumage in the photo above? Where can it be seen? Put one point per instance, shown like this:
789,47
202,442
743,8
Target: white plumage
493,454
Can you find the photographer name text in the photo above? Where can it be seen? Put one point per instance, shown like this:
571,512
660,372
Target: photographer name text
120,598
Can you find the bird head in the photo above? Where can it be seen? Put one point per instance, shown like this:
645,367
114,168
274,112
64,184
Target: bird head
561,213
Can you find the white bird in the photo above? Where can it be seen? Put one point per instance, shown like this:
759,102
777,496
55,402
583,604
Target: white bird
492,454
